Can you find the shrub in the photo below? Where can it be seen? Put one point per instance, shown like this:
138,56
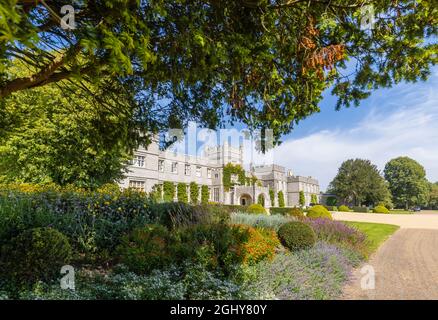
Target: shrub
216,212
261,200
302,200
293,212
380,209
337,232
256,209
205,194
317,273
259,220
331,208
278,210
230,208
168,191
216,246
344,208
332,201
35,255
319,212
194,193
177,214
360,209
146,249
182,192
296,213
280,196
296,235
260,244
272,197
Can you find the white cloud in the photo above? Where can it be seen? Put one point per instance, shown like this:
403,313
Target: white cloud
405,124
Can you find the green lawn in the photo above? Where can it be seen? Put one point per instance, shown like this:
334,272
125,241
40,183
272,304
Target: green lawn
400,211
377,233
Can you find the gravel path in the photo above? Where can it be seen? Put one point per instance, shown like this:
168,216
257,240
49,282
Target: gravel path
406,265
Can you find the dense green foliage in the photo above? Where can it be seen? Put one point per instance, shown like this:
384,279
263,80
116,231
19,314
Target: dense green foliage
147,248
343,208
181,192
266,63
292,212
433,196
359,182
230,170
318,211
205,194
280,196
34,255
50,135
314,199
176,250
296,235
261,200
256,209
407,182
194,193
168,191
332,201
380,209
272,197
278,210
302,199
260,221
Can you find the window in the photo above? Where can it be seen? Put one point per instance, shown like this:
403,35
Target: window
161,165
208,173
140,161
187,169
198,172
216,195
137,185
174,168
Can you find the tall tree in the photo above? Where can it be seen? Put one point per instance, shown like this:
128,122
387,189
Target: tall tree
263,62
433,196
407,182
359,182
48,136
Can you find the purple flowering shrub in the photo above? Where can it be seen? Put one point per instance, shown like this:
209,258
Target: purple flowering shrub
337,232
317,273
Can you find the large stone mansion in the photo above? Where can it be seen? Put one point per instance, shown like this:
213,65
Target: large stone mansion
153,166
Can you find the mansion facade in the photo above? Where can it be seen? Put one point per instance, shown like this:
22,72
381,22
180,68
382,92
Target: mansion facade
152,166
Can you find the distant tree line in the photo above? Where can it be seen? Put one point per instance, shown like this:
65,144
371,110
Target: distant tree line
403,184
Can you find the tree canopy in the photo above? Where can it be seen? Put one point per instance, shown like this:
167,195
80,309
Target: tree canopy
433,196
407,182
263,62
359,182
50,136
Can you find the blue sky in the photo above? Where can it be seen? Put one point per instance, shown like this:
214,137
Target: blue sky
400,121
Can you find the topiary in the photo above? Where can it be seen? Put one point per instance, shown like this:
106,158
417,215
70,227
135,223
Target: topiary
380,209
344,208
319,212
296,235
34,255
146,249
256,209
